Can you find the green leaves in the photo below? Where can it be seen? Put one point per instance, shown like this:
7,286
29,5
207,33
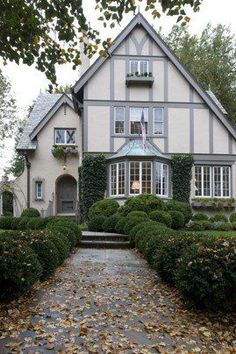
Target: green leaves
181,176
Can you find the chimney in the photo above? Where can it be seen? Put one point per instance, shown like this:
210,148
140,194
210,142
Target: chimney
84,59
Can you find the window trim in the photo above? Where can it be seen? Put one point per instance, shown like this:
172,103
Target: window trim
65,132
117,179
140,176
37,197
163,122
168,172
142,108
118,120
212,181
139,64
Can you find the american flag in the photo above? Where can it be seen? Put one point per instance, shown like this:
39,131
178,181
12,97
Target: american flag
143,130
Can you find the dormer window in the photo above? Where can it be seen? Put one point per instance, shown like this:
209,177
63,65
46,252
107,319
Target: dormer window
65,136
138,66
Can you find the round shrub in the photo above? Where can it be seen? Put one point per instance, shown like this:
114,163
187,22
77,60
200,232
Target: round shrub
131,222
219,217
232,218
199,217
46,251
138,213
30,213
103,207
6,222
96,222
15,223
222,226
22,223
19,268
196,226
73,227
133,232
66,231
109,224
161,216
205,275
142,202
184,208
177,219
62,244
36,224
119,228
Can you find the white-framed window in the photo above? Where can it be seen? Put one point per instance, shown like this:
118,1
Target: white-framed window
117,179
135,115
140,177
65,136
212,181
162,179
39,190
158,121
138,66
119,115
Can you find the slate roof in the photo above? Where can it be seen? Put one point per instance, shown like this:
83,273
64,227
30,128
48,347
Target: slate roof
42,106
135,148
217,102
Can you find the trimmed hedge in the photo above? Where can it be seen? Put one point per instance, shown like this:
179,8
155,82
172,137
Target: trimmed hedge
219,218
103,207
109,224
120,225
30,213
142,202
232,217
200,217
131,222
19,268
177,219
6,222
96,222
206,274
184,208
222,226
138,213
161,216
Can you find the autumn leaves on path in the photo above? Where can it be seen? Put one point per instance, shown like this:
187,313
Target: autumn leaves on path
109,301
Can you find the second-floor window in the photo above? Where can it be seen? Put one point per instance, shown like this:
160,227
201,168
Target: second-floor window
138,66
158,121
135,115
65,136
119,120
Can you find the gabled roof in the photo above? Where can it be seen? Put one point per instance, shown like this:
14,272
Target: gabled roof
217,102
134,148
44,108
139,20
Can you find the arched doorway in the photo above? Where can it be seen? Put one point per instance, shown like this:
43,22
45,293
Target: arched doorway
7,203
66,191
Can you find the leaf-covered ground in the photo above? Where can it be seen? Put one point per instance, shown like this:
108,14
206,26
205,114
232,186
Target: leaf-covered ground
110,301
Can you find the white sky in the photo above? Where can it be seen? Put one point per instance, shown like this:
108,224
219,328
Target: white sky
27,81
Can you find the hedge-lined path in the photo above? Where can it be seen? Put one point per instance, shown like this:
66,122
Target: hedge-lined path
109,301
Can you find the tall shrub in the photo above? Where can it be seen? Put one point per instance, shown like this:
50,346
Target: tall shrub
92,183
181,176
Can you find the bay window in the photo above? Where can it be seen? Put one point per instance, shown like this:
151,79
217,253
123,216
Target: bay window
135,118
119,114
117,178
158,121
212,181
140,177
64,136
138,66
161,179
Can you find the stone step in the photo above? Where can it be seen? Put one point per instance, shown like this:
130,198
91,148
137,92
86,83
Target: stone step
104,244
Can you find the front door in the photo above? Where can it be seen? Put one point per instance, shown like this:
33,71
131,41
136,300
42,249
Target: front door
66,195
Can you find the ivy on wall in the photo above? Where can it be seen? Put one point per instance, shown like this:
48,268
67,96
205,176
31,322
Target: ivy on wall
92,182
181,176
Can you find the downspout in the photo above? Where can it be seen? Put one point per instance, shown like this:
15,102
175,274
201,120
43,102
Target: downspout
28,165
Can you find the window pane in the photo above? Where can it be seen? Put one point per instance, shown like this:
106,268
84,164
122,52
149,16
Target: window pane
161,179
134,178
113,179
120,113
217,181
70,136
146,177
226,181
119,127
121,176
60,136
143,67
164,180
206,181
39,191
198,181
133,66
136,113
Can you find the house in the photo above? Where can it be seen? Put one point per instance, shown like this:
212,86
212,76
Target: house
139,77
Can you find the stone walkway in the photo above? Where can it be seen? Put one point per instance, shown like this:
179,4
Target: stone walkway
109,301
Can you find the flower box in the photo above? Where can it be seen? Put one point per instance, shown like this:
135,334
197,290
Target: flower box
145,79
